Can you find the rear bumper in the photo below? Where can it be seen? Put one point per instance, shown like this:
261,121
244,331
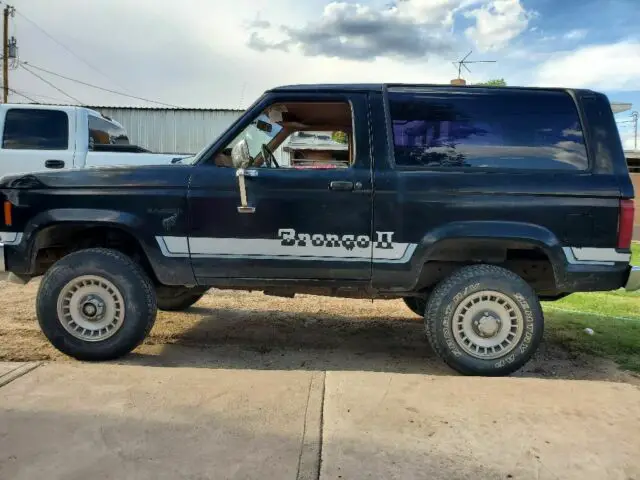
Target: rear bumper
633,282
3,270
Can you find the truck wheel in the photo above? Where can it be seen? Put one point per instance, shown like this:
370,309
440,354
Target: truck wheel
176,299
484,320
416,304
96,304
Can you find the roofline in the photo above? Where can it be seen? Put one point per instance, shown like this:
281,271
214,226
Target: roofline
385,86
196,109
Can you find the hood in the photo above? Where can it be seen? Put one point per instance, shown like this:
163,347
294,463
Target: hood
153,176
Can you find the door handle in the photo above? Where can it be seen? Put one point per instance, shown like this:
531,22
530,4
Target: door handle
241,173
342,186
57,164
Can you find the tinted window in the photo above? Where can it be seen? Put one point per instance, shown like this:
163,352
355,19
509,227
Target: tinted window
27,129
104,132
499,129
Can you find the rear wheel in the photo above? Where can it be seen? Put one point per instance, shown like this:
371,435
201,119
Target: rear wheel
176,299
484,320
96,304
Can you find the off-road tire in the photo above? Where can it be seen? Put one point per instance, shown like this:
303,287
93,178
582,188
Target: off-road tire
177,299
452,291
134,285
417,305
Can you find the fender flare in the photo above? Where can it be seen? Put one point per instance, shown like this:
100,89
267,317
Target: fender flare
515,233
89,217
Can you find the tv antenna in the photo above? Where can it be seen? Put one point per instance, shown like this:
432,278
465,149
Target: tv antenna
460,64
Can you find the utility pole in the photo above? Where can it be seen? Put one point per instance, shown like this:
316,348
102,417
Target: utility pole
5,53
635,130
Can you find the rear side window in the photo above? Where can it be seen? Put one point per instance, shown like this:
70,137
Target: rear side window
487,129
27,129
104,132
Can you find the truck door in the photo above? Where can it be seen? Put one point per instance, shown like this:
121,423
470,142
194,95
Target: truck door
36,139
301,211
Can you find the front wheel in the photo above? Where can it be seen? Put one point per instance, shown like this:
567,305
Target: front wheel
484,320
96,304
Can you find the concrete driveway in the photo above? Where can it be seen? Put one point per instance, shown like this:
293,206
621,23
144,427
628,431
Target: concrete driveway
103,421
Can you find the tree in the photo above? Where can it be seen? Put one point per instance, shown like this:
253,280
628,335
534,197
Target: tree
496,82
339,137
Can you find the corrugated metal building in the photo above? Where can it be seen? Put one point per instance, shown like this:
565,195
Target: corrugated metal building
168,130
187,130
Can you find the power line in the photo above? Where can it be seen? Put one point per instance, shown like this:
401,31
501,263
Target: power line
38,95
51,37
51,84
635,127
97,87
23,95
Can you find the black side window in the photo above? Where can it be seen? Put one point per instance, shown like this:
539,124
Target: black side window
104,132
493,129
27,129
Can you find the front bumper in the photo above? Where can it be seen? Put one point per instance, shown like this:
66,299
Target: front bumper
633,282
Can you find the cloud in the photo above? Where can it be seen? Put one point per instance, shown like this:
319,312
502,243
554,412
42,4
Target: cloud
497,23
257,42
259,23
577,34
409,29
604,67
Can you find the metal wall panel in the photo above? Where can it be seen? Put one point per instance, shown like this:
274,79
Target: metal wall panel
171,131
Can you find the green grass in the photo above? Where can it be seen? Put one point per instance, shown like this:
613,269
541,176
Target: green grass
614,317
618,340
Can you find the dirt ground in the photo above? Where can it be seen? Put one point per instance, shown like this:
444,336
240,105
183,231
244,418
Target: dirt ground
229,329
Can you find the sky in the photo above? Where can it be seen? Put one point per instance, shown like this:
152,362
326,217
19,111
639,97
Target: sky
225,53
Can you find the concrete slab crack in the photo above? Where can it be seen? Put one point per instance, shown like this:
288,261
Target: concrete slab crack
311,447
18,372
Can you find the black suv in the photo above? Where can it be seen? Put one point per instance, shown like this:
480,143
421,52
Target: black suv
470,203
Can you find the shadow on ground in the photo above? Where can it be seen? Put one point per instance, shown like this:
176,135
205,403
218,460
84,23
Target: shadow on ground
293,340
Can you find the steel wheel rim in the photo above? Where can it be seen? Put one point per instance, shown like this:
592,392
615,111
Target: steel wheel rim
488,325
91,308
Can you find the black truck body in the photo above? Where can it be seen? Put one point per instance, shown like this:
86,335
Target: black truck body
441,178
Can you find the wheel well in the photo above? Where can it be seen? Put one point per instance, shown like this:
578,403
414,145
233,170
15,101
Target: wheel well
54,242
527,260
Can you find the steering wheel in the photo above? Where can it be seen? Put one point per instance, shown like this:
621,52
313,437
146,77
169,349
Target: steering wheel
268,157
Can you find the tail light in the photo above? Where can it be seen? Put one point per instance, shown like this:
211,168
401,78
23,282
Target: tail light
625,224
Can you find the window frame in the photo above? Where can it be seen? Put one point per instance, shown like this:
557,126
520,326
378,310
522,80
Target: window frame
69,136
447,90
353,99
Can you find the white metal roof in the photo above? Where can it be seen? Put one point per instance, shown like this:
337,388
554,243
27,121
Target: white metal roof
619,107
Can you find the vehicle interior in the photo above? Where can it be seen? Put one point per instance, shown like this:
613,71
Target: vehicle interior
294,135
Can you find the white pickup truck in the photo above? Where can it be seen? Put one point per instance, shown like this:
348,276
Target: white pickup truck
40,137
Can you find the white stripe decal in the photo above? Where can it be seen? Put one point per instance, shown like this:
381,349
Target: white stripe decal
600,255
10,238
595,256
173,246
272,249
